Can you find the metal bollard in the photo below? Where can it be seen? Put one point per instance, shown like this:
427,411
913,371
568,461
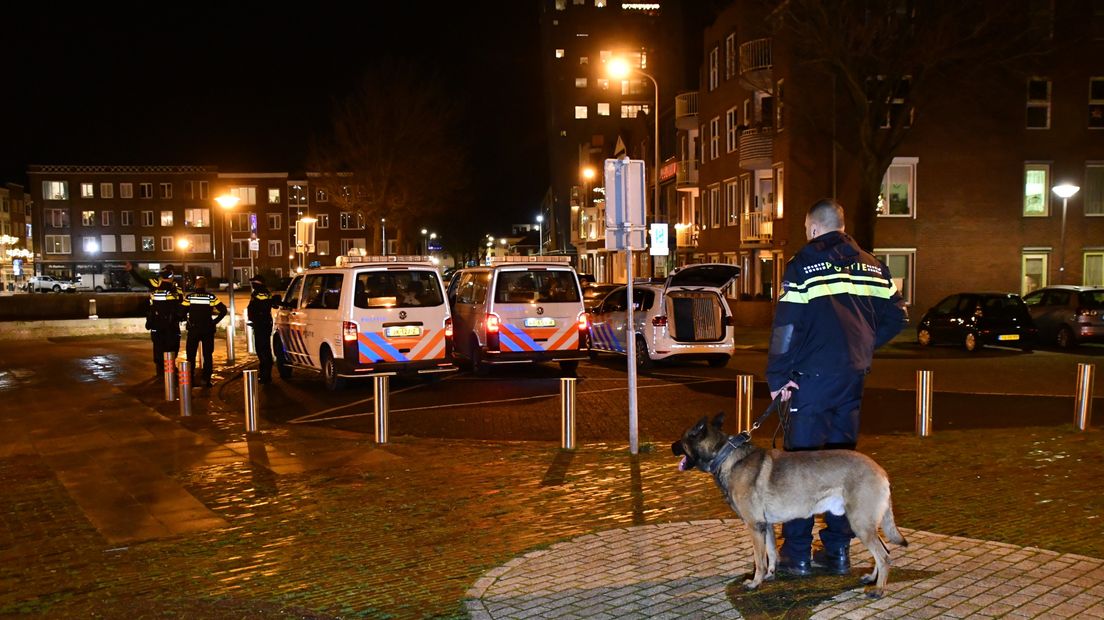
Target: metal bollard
382,392
744,389
1082,405
170,375
567,413
923,403
249,347
92,309
249,378
185,387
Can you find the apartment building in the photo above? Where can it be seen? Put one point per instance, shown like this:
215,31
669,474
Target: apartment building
967,202
16,247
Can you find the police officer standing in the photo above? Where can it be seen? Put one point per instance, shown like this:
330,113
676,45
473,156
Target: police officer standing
837,305
163,315
259,312
204,311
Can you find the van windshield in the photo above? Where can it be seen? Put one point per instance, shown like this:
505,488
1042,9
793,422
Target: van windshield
397,289
518,287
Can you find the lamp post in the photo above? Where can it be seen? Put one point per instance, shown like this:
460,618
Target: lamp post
1065,191
540,234
432,237
619,68
425,242
183,244
228,202
383,236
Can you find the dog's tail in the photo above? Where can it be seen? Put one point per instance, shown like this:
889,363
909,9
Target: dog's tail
889,527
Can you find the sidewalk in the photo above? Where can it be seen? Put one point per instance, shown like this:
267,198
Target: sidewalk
114,506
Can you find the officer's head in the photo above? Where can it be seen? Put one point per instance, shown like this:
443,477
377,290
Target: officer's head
824,217
200,283
167,272
256,281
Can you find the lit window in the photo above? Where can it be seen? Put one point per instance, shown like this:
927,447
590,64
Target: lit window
245,195
197,218
580,82
605,55
632,110
1036,190
58,244
560,53
55,190
603,83
88,218
898,191
107,190
583,60
273,196
603,109
166,218
600,4
900,265
714,60
1033,272
147,244
87,191
714,137
1093,269
580,111
126,190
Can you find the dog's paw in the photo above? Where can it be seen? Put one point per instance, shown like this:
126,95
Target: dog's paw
751,584
874,592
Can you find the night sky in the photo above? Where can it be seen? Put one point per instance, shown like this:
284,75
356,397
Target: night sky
245,88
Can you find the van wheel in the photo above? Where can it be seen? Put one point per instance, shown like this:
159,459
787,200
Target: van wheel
569,369
282,365
329,372
971,342
57,288
923,337
1065,338
643,360
99,289
719,362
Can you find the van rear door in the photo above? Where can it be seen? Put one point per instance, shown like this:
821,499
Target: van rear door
538,308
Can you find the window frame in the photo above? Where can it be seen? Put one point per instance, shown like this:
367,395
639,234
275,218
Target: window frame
732,122
1034,104
1027,255
1097,254
1036,167
907,289
909,164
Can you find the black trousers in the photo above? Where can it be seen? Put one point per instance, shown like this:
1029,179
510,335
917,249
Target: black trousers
208,341
262,343
164,341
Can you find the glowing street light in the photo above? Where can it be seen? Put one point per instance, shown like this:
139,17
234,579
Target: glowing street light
183,244
228,202
1064,191
540,234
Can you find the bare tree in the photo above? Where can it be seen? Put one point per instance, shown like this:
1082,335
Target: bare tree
887,60
391,152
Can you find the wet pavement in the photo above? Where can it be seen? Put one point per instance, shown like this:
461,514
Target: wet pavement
115,506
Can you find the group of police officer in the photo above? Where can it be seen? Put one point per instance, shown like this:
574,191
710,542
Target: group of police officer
201,311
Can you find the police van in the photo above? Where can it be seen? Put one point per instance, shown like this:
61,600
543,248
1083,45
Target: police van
364,316
685,316
519,310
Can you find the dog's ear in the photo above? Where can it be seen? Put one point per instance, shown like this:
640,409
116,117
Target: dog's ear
718,420
699,428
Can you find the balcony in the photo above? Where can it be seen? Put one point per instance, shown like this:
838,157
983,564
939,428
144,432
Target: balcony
756,147
756,227
756,59
686,111
686,176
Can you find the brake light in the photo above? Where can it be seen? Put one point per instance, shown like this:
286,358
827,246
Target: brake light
1087,312
584,322
448,327
349,331
659,321
492,323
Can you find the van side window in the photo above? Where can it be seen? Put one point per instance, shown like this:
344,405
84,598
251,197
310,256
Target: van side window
466,288
323,291
292,299
480,283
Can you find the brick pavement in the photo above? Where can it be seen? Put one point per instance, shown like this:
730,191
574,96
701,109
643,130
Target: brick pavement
322,523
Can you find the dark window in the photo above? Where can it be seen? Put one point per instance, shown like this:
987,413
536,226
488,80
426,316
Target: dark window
548,286
292,299
323,291
400,289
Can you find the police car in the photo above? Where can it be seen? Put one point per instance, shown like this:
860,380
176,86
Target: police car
519,310
366,315
685,316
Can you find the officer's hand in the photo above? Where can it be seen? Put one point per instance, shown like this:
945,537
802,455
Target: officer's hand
786,391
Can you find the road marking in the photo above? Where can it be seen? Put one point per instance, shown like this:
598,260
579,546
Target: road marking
352,404
313,417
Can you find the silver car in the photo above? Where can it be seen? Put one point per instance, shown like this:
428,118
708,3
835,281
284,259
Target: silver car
1067,315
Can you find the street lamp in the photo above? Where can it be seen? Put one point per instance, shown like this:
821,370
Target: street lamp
383,236
228,202
1065,191
425,242
183,244
619,68
432,237
540,234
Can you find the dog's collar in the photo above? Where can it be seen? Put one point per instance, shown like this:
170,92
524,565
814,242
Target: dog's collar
731,443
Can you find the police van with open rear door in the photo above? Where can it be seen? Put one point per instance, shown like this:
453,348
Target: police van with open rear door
367,315
519,310
683,317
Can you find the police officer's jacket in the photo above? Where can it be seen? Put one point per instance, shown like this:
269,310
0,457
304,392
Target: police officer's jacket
838,304
204,311
260,307
163,314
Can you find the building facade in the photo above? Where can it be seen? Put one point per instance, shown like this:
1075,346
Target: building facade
967,202
16,242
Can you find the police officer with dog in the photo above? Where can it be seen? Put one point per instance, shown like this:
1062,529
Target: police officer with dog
837,305
163,315
204,311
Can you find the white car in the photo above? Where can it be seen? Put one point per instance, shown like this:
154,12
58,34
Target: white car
684,317
40,284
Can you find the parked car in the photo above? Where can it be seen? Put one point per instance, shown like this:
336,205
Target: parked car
685,316
1067,315
973,320
593,294
41,284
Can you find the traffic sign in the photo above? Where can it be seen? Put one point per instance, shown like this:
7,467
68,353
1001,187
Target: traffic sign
659,240
625,204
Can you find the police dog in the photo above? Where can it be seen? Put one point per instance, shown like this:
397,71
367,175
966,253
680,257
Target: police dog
770,486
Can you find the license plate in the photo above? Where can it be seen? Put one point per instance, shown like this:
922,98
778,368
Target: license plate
1009,337
540,322
403,331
